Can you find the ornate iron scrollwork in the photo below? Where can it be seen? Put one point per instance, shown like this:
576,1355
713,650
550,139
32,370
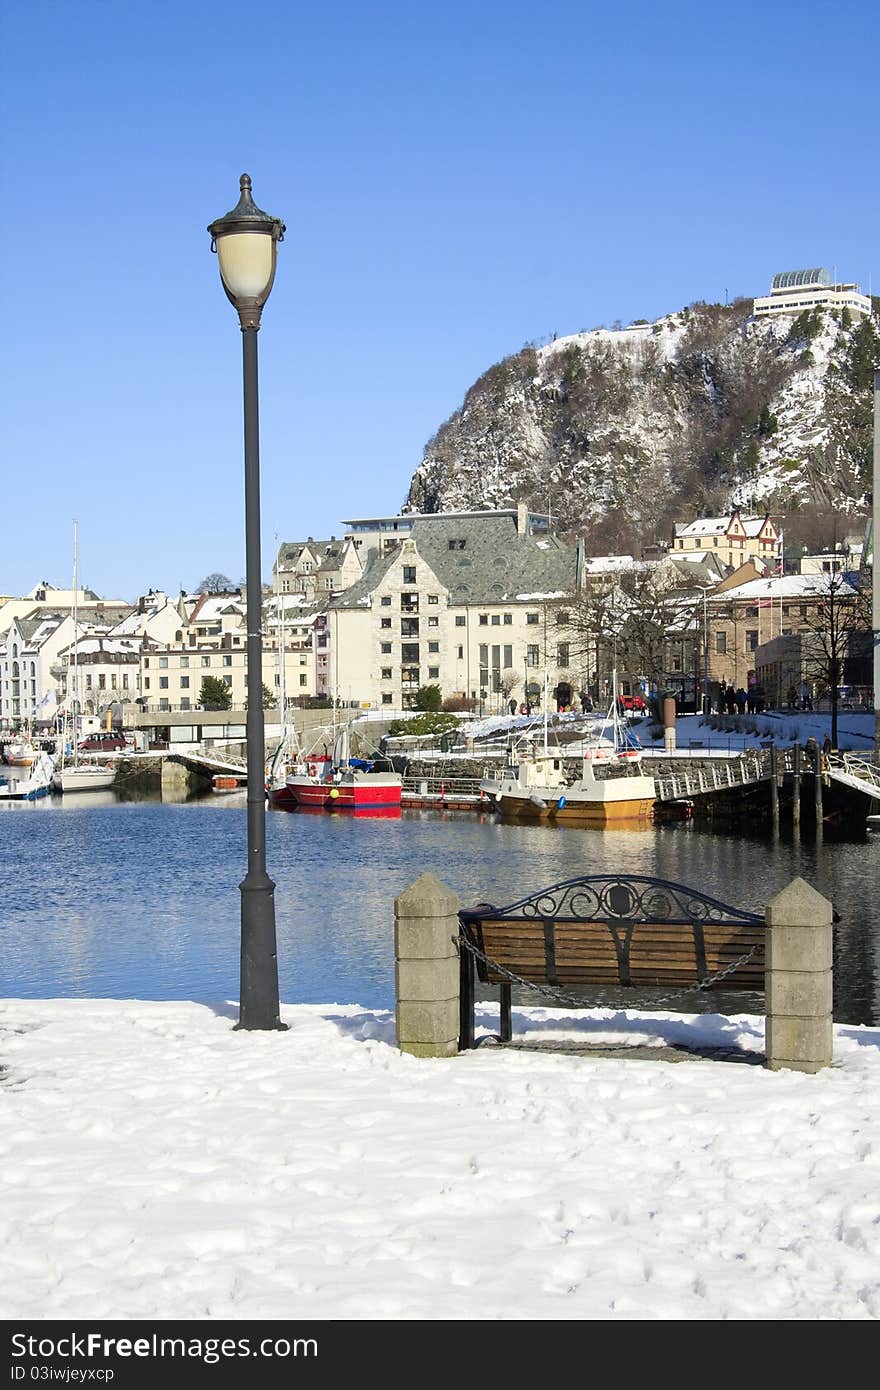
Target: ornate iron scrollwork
619,898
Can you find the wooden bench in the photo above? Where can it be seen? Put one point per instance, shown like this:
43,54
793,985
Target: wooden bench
626,930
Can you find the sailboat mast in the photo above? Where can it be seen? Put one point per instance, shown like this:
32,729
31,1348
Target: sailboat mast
75,697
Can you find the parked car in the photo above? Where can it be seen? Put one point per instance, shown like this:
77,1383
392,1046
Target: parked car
104,741
634,703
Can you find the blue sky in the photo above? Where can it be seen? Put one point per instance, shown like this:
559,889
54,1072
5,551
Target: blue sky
456,180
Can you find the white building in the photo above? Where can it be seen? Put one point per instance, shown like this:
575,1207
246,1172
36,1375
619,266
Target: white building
792,291
468,602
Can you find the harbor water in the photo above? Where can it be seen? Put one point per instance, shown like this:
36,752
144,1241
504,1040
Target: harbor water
140,899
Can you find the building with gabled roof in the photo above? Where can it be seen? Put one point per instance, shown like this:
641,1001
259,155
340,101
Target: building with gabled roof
732,538
464,601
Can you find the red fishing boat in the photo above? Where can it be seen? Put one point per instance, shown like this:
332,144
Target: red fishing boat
325,783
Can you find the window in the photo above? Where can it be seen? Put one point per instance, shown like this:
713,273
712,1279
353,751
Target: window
508,619
163,682
433,646
386,673
433,598
386,622
184,703
721,643
484,620
460,621
184,663
146,658
409,574
125,681
385,648
460,651
303,680
184,682
409,651
206,661
751,640
433,622
386,698
163,663
531,656
146,682
163,703
433,673
227,680
562,654
531,618
410,675
508,658
227,661
456,545
496,619
386,601
409,627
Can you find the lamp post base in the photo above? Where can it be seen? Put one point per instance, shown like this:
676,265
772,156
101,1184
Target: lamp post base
258,1005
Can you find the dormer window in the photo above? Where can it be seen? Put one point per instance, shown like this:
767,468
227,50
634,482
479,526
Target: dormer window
457,545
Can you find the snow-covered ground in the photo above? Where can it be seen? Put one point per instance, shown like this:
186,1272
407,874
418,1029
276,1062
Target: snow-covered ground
157,1164
734,732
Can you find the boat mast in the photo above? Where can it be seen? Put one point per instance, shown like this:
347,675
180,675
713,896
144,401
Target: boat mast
75,697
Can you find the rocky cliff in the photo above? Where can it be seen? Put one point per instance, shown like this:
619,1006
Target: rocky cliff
618,433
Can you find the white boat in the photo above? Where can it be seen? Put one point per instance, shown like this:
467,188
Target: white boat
37,783
74,775
83,777
610,790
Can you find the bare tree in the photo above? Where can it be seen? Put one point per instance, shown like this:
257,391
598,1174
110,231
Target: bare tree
215,584
840,621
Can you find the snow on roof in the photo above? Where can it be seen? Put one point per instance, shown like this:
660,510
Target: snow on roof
785,586
601,564
719,525
527,598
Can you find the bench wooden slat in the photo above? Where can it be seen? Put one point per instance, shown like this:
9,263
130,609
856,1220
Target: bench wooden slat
543,950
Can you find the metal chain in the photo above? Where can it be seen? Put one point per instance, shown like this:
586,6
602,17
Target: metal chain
551,991
728,970
554,992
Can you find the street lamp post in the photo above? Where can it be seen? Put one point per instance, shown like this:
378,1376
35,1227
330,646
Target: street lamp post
246,241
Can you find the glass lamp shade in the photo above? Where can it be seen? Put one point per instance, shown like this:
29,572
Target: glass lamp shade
247,264
246,241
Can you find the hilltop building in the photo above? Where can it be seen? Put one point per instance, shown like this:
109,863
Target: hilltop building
792,291
733,539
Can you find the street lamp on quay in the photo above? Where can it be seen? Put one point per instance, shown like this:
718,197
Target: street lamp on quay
246,241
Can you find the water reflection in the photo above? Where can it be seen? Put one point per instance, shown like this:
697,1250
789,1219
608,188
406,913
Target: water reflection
141,898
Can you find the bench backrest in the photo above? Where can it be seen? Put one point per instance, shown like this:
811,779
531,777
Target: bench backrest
611,929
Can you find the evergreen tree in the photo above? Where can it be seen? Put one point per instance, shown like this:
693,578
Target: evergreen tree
215,694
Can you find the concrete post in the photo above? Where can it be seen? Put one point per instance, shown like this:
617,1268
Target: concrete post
798,979
426,969
669,724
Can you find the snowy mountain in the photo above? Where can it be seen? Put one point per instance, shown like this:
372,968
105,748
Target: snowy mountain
617,433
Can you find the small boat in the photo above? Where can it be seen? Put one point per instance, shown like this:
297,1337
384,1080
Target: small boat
223,782
611,788
71,774
37,783
322,782
21,753
537,788
83,777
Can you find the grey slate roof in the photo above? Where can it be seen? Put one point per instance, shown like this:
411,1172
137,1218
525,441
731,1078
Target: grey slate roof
495,564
